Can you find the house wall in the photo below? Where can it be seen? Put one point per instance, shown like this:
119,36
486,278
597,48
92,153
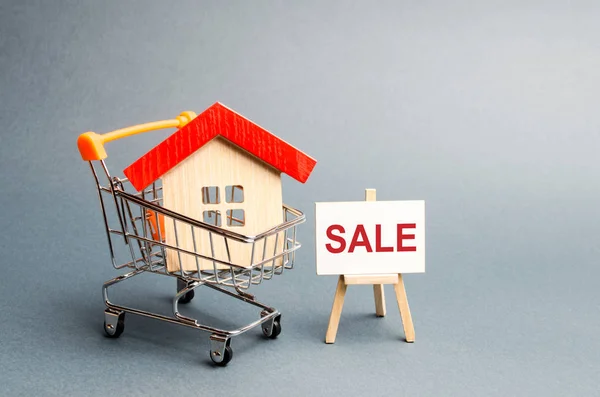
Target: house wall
220,163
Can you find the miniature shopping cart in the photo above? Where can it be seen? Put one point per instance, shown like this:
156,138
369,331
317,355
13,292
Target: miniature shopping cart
139,221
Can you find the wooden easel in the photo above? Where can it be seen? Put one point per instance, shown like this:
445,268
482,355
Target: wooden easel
378,282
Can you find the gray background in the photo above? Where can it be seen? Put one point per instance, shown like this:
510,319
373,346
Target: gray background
486,110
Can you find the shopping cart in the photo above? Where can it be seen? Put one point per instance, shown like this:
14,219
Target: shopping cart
138,220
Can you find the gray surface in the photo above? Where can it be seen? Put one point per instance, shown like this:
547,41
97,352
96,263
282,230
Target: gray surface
487,110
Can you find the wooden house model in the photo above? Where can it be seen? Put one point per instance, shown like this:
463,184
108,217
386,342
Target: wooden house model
224,170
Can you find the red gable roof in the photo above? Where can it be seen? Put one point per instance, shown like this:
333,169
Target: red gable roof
219,120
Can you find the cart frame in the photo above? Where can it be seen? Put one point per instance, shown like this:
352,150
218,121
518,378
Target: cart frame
133,226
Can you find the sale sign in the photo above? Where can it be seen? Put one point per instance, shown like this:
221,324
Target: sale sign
370,237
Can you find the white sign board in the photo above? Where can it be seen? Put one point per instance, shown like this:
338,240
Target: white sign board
370,237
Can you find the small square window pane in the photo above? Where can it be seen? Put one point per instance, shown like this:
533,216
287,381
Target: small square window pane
236,218
234,194
212,217
210,195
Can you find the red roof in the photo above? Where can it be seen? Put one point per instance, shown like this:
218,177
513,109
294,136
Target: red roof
219,120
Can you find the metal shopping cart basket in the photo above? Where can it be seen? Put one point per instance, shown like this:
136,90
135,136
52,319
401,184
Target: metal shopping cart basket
140,224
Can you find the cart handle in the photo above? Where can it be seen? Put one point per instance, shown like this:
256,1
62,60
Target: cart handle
91,144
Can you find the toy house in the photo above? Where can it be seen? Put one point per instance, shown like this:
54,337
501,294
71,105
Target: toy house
224,170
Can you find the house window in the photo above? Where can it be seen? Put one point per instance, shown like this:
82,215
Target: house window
210,195
212,217
234,194
236,218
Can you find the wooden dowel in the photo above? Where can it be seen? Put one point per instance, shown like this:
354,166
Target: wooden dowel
336,311
409,329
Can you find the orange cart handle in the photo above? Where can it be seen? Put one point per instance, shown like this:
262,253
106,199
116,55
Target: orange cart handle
91,145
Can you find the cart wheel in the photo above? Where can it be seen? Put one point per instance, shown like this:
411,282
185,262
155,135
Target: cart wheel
275,330
227,356
115,331
187,298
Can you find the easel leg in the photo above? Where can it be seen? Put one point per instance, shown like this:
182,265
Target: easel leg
409,329
379,300
336,311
